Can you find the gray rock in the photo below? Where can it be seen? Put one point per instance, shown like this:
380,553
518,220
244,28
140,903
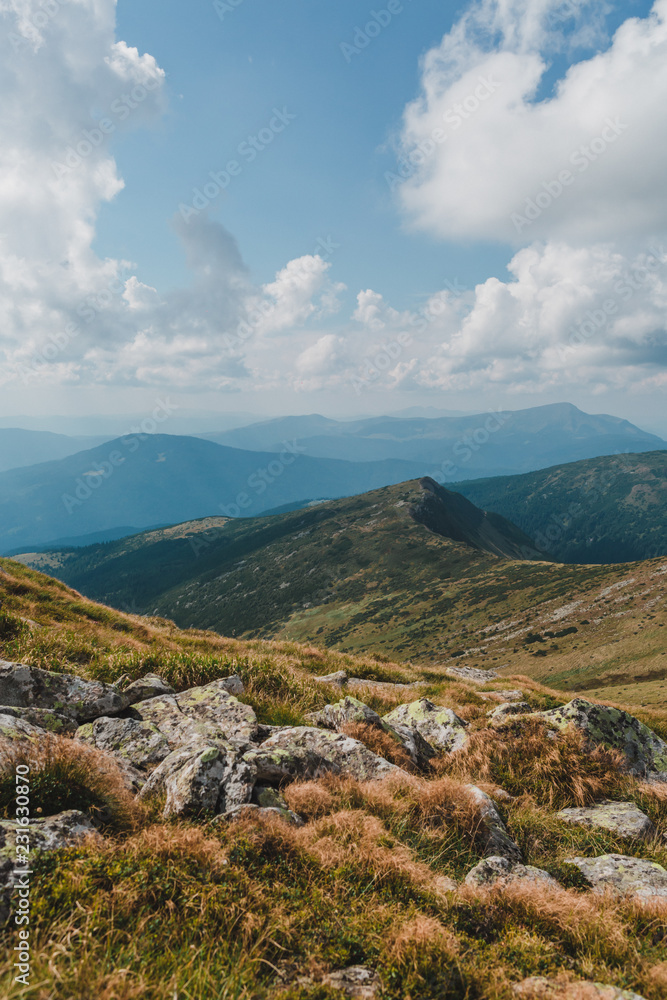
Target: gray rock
357,981
497,841
199,779
305,752
439,726
385,687
508,710
339,678
13,729
502,871
250,808
207,714
645,752
43,718
22,686
148,686
636,877
502,696
541,988
51,833
472,674
623,818
140,744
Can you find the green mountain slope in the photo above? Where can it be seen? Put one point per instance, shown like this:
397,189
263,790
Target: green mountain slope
600,510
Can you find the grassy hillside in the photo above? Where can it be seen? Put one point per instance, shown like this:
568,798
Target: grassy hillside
363,576
611,509
202,910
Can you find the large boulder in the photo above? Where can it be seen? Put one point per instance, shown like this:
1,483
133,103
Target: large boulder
541,988
306,752
644,751
507,711
207,714
201,779
349,711
440,727
501,871
497,841
14,729
148,686
22,686
645,880
138,743
622,818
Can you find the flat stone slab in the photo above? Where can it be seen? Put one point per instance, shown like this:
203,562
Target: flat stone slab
540,988
307,752
131,740
22,686
503,871
472,674
623,818
439,726
628,876
203,715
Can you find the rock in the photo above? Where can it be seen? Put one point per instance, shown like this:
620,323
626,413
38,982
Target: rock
645,880
494,832
132,741
440,727
645,752
306,752
501,871
251,808
200,779
43,718
356,981
350,710
51,833
623,818
507,710
390,687
502,695
207,714
13,729
148,686
473,674
339,678
540,988
29,687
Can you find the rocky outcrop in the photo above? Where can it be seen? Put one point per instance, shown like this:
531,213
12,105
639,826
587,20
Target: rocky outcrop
306,752
645,880
501,871
201,779
44,718
541,988
439,726
622,818
148,686
13,729
644,751
29,687
140,744
508,710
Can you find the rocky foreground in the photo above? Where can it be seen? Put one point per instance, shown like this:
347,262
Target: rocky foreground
203,752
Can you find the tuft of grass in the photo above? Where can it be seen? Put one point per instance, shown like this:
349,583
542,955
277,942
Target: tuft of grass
65,774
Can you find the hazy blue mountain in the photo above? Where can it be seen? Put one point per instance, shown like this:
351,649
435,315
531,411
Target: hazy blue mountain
461,447
163,479
20,448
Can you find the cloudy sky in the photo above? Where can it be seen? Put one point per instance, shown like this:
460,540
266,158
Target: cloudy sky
302,206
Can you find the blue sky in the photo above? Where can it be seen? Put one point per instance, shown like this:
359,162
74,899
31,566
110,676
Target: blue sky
441,291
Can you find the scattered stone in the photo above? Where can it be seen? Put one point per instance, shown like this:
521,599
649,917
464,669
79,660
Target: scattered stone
29,687
645,752
623,818
502,695
43,718
497,870
13,729
207,714
149,686
389,687
440,727
540,988
339,678
138,743
200,779
306,752
473,674
357,981
251,808
507,710
497,840
645,880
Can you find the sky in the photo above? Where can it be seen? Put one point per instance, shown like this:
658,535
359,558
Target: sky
294,206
